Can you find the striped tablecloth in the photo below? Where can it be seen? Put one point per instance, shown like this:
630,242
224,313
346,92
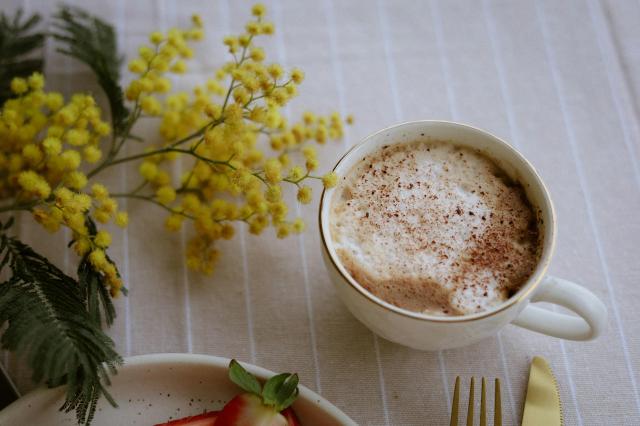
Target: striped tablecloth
559,80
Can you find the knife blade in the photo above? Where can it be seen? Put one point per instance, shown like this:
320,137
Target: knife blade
542,405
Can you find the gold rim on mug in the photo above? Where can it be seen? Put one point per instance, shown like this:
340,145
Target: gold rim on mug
523,293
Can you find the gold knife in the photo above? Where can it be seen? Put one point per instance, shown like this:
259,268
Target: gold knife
542,406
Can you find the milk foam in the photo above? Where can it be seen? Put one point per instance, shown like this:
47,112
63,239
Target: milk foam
434,228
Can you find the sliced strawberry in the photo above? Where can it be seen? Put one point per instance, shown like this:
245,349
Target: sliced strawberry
292,419
204,419
260,406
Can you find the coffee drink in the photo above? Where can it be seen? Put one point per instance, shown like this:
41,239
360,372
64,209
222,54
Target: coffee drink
434,228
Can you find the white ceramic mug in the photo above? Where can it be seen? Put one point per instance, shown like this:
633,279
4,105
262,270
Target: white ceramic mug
430,332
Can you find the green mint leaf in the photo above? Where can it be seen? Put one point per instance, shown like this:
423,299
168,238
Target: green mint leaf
287,393
271,388
243,378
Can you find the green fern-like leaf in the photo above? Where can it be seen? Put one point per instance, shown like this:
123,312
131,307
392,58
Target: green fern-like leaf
49,326
96,294
18,41
92,41
93,288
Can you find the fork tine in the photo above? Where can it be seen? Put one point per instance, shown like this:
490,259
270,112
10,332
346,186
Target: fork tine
497,416
470,409
483,404
454,404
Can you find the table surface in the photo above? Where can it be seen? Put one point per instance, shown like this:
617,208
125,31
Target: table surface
559,80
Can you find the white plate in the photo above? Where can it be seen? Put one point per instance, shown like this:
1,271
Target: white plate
156,388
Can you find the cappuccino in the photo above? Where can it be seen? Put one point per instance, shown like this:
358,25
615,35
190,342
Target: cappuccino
434,228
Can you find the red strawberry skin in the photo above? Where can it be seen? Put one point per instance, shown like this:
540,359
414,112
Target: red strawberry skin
292,419
204,419
248,410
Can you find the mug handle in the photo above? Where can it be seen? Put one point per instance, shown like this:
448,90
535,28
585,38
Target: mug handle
588,325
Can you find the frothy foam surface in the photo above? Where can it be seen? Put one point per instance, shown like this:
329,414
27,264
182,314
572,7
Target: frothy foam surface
434,228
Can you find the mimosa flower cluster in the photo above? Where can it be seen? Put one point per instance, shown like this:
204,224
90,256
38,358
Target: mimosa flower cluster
45,143
239,153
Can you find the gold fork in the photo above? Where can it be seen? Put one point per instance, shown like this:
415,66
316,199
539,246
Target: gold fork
497,416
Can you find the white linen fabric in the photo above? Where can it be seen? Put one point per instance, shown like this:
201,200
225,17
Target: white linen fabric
558,80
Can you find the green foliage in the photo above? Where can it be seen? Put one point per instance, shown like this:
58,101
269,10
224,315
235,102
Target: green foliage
53,321
49,325
92,41
95,293
17,44
93,288
280,391
243,378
